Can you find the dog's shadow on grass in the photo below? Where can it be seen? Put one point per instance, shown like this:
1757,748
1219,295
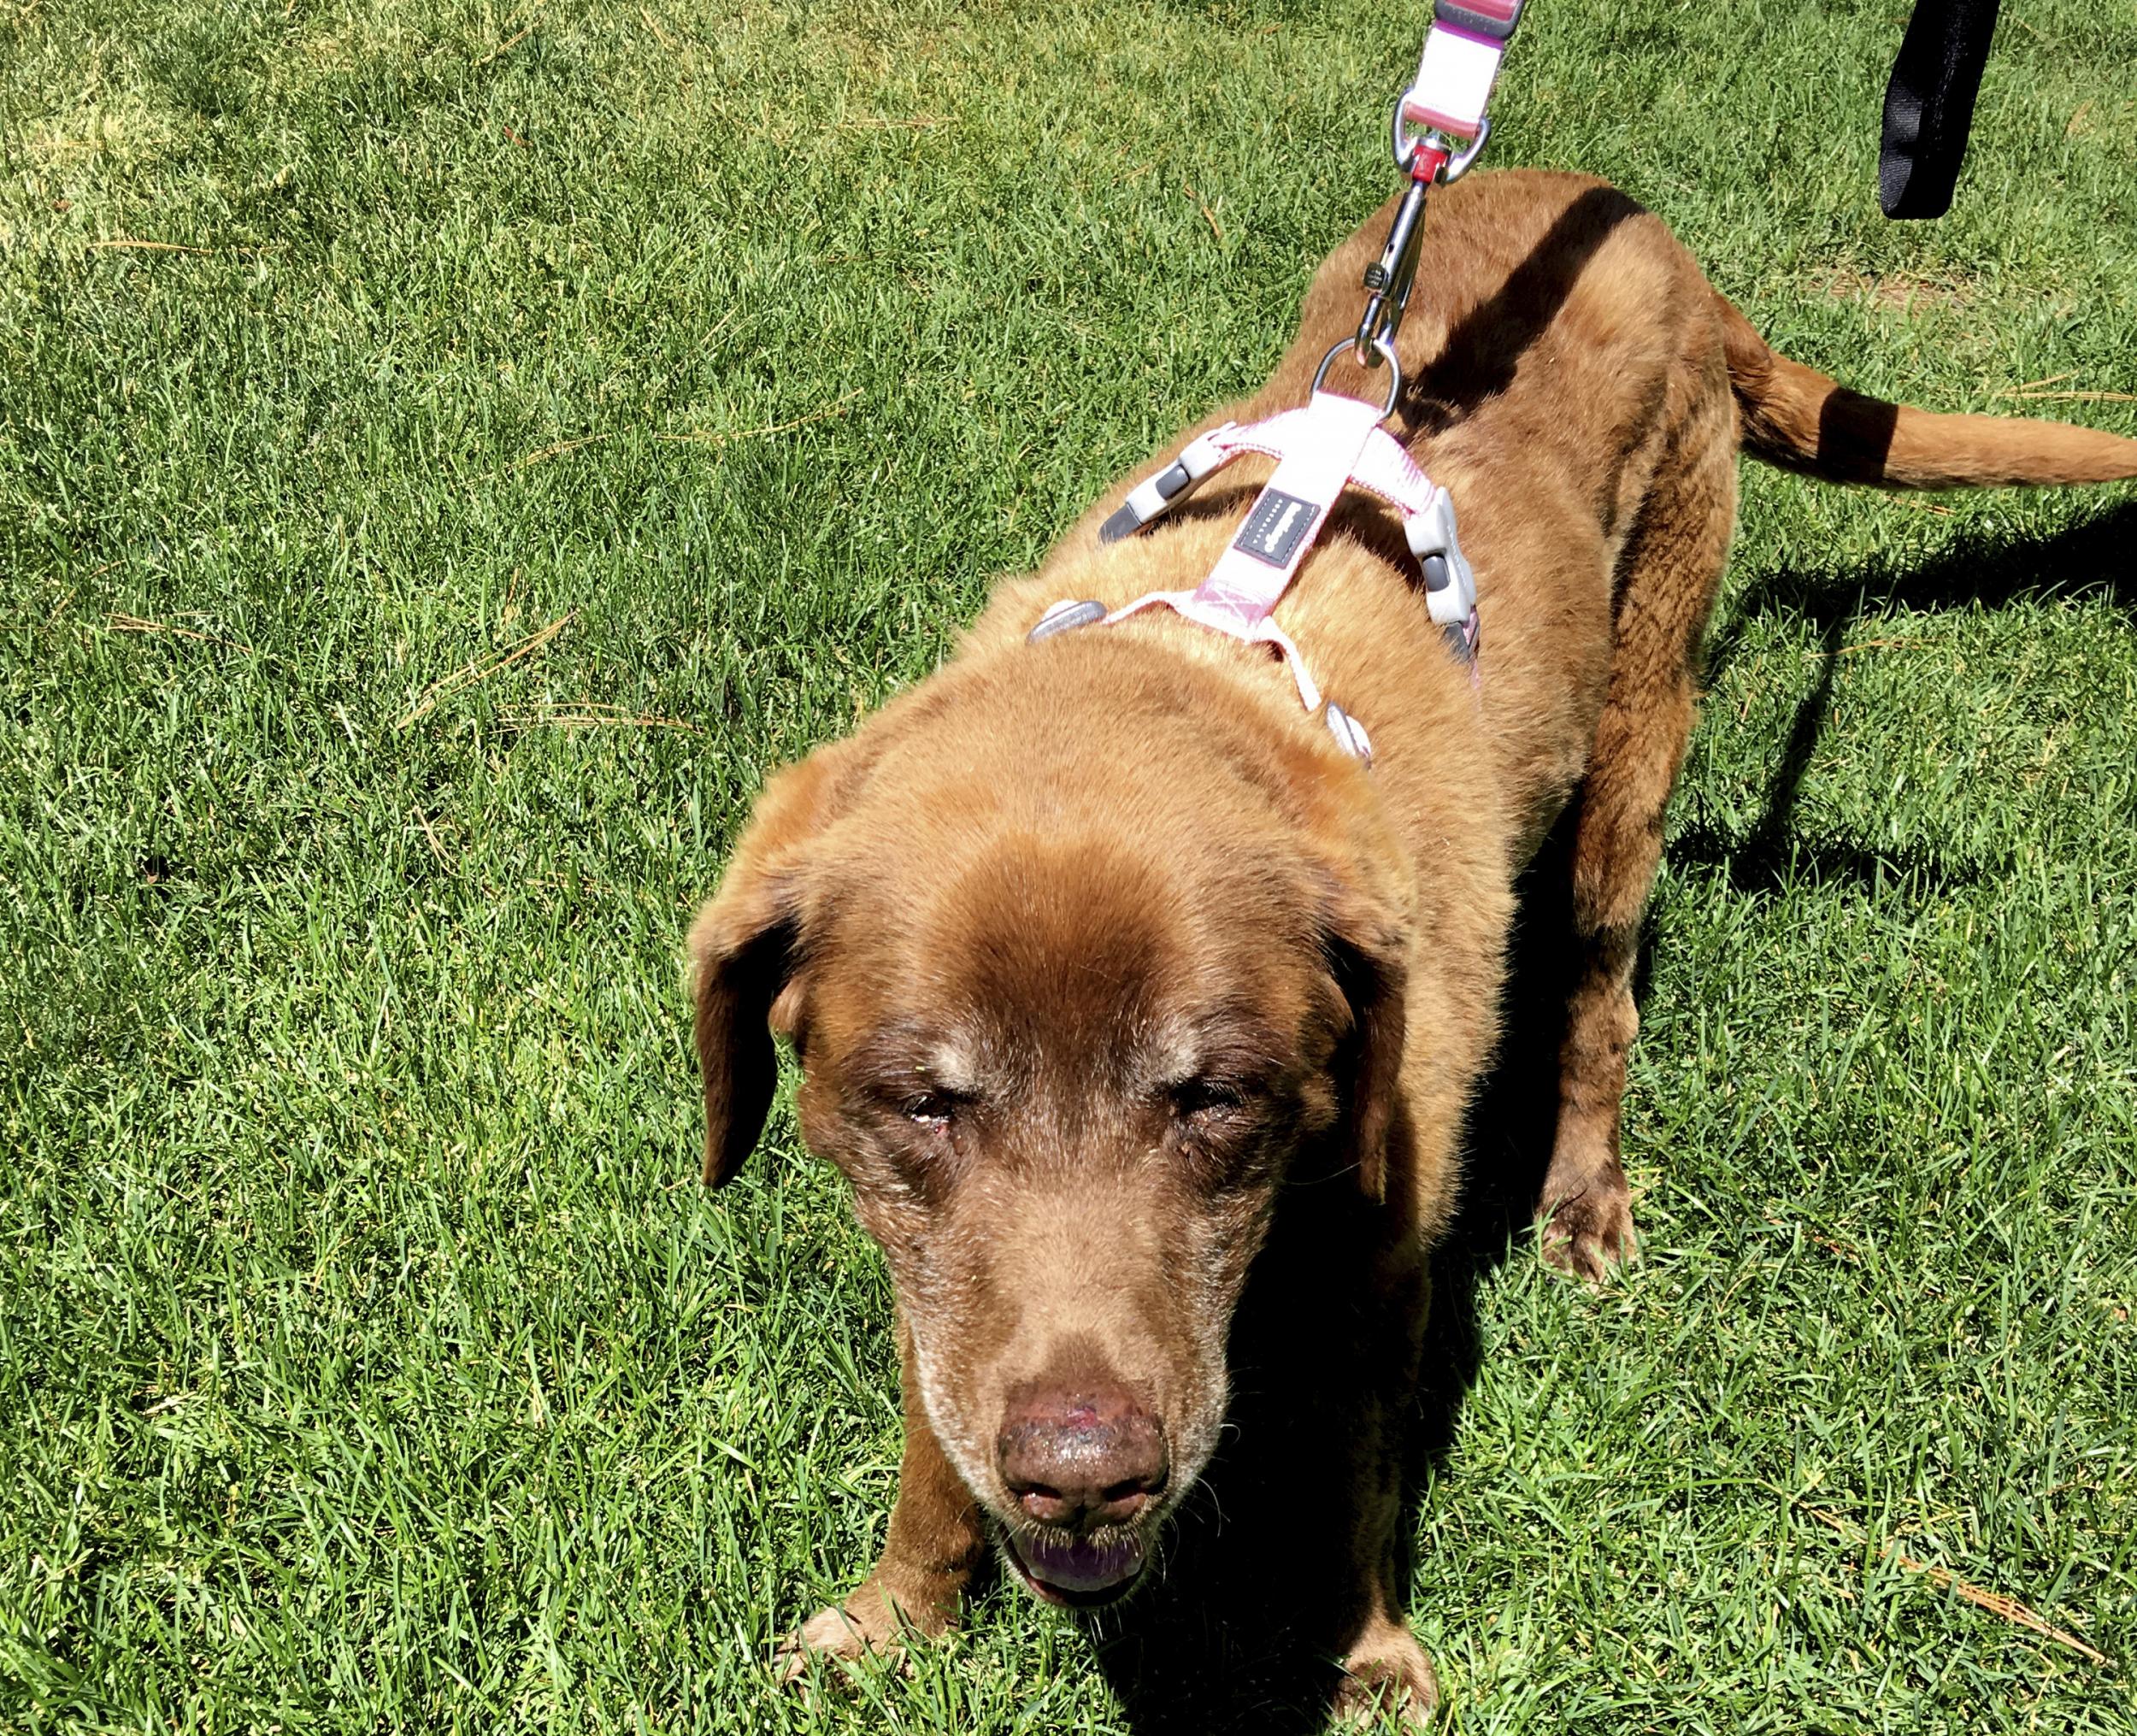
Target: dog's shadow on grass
2090,558
1227,1656
1515,1120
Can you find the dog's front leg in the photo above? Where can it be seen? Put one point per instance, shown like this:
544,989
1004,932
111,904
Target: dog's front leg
936,1538
1385,1670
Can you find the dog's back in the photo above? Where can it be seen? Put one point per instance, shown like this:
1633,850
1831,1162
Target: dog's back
1583,392
1142,1017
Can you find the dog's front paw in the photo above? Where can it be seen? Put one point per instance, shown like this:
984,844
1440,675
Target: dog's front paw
866,1625
1386,1673
1589,1234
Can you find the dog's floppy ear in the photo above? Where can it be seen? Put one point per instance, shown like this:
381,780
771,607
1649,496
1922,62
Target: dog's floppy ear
743,950
1366,919
1368,952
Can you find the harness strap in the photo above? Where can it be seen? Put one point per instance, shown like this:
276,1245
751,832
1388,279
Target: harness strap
1333,443
1336,442
1253,574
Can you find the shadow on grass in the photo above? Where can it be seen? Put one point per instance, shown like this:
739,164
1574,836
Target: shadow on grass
2091,558
1234,1635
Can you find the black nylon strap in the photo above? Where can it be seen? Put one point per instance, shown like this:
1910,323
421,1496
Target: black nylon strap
1930,105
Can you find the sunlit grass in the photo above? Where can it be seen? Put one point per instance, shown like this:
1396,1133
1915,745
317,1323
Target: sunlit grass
370,1356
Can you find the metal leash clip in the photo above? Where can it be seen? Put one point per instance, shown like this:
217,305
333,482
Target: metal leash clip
1437,131
1388,279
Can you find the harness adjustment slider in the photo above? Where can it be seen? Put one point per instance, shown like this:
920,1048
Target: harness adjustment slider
1062,616
1450,585
1152,495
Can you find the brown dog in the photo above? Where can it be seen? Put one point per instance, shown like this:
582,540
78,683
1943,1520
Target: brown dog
1115,980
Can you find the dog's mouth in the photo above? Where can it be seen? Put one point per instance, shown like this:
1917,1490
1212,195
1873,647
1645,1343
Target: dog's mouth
1078,1573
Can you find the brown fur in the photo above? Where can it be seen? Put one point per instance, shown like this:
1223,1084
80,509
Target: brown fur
1020,923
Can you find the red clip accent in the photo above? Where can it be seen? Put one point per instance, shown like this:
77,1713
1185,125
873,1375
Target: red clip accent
1425,163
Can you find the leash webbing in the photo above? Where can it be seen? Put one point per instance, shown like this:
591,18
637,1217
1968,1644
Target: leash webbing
1930,105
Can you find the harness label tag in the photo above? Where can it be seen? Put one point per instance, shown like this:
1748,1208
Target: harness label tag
1274,530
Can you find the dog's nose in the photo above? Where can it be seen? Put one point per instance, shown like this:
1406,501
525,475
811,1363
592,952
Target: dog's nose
1082,1456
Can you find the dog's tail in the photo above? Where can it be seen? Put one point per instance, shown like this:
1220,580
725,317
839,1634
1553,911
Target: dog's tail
1795,417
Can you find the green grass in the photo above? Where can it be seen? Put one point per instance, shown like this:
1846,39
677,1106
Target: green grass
370,1359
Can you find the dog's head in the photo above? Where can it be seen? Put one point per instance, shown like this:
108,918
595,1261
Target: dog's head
1075,995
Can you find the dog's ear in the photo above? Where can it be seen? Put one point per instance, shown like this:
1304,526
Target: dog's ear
1368,946
1366,902
744,949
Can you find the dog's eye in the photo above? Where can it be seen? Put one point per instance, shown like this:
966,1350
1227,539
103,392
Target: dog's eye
932,1109
1203,1099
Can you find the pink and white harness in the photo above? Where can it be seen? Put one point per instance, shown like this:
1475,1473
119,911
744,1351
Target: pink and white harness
1335,442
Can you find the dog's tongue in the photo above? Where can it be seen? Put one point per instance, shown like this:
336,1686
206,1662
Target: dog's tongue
1081,1568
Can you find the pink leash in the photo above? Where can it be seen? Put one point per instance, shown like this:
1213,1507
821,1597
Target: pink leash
1336,442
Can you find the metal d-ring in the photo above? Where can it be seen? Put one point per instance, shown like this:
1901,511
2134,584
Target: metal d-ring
1403,146
1384,352
1460,164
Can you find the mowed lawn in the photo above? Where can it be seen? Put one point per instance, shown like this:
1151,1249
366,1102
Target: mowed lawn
449,452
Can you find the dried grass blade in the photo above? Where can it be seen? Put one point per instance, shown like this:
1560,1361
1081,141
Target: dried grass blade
144,246
712,439
592,716
134,623
2073,397
1208,217
555,449
2008,1609
510,42
480,670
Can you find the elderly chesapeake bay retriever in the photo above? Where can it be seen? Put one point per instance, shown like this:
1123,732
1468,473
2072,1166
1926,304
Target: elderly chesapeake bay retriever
1143,1018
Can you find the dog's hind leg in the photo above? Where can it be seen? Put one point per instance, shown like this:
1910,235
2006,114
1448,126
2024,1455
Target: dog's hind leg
936,1539
1667,576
